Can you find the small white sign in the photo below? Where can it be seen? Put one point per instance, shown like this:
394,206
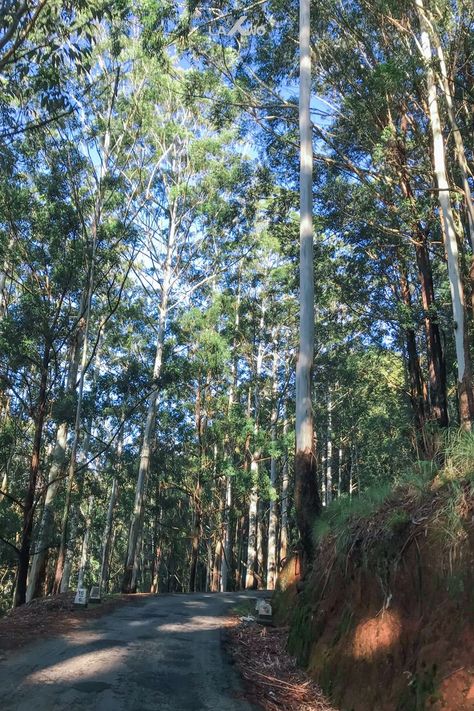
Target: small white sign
81,597
265,609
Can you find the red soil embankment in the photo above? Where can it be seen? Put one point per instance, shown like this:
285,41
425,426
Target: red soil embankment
388,623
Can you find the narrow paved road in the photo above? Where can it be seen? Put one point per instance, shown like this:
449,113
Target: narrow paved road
162,654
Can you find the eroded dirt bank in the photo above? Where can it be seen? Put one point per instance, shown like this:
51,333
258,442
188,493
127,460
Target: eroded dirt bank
386,620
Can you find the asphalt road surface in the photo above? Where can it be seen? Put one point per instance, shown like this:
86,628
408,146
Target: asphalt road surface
160,654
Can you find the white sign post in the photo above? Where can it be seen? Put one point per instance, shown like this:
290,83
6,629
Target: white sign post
264,610
81,597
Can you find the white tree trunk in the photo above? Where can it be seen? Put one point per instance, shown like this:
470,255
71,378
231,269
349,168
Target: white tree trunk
329,454
136,525
3,281
107,537
67,570
449,231
306,494
254,468
339,471
226,547
456,133
272,517
252,539
304,409
259,572
85,544
283,552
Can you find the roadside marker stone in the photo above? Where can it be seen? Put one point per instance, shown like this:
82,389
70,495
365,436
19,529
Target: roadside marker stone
81,597
265,612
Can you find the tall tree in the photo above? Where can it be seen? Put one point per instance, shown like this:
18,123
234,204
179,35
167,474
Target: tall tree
306,492
461,337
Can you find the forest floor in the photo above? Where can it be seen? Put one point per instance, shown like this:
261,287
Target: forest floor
52,616
272,678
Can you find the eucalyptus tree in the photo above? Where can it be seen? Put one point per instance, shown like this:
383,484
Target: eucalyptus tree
104,143
41,312
62,154
306,492
186,181
463,356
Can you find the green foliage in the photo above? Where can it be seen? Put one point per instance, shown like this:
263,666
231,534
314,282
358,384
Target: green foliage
154,148
459,455
338,516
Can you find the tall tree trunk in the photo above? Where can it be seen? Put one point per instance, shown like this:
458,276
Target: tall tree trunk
250,579
306,492
71,541
260,561
283,549
459,150
436,361
136,525
216,567
70,549
339,470
3,280
465,388
438,401
413,362
157,550
196,539
226,542
240,527
272,516
218,548
107,537
85,543
29,502
38,562
351,471
252,559
329,452
155,579
56,472
201,426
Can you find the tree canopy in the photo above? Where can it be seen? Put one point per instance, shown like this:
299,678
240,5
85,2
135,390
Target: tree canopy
150,286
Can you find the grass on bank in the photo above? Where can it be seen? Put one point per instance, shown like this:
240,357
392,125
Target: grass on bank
451,473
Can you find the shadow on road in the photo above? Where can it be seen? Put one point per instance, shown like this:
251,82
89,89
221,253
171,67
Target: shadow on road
162,653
